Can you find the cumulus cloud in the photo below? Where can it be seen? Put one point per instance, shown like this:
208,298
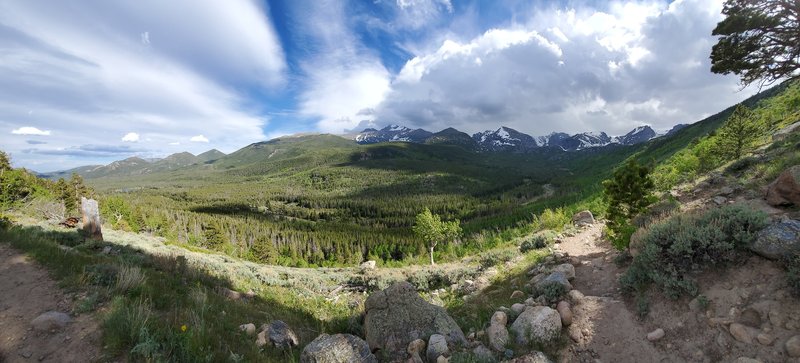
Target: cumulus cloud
342,77
181,72
570,69
130,137
198,138
28,130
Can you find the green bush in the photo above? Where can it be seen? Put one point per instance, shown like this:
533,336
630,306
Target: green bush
628,192
683,243
496,257
533,243
552,292
554,219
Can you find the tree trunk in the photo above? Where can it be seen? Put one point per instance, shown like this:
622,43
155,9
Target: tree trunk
432,263
91,219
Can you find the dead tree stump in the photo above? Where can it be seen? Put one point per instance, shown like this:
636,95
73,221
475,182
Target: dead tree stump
91,219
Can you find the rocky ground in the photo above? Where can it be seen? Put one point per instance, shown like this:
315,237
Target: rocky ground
35,324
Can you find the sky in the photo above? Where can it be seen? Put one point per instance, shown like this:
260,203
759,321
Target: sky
89,82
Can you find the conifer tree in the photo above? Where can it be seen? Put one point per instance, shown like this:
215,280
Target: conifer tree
628,193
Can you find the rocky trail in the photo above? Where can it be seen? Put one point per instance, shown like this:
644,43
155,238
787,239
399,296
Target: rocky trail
35,325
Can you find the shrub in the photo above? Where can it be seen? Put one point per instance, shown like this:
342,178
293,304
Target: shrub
101,274
673,248
496,257
739,166
533,243
552,219
552,292
129,278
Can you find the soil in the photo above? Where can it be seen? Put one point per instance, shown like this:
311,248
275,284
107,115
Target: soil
606,327
26,291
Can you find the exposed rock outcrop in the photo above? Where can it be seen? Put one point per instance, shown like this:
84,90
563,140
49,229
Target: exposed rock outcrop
778,240
397,316
338,348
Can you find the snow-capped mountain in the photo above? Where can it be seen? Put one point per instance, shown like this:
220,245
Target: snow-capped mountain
392,133
636,136
504,139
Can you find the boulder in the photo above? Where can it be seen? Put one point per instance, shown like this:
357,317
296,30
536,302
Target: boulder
397,315
369,265
783,133
742,333
517,295
534,357
483,354
416,349
565,312
281,335
497,332
567,269
51,320
778,240
537,325
575,296
261,340
785,190
437,347
338,348
518,308
583,218
793,346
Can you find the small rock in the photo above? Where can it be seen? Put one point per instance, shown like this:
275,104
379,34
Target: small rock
498,336
442,359
249,328
565,312
725,191
746,360
369,265
518,308
765,339
775,317
534,357
655,335
261,340
106,250
530,301
337,348
751,318
583,218
437,346
575,335
793,346
415,349
537,325
51,320
517,295
719,200
741,333
499,318
483,354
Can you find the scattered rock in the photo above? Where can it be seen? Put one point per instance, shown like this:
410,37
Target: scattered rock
751,318
565,312
51,320
337,348
695,305
779,240
499,318
517,295
765,339
746,360
583,218
498,336
261,340
655,335
785,190
725,191
534,357
719,200
229,294
369,265
483,354
106,250
557,277
793,346
575,296
741,333
437,346
416,349
281,335
249,328
775,317
442,359
537,325
567,269
398,315
518,308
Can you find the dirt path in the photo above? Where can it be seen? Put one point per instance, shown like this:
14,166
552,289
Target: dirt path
603,328
26,291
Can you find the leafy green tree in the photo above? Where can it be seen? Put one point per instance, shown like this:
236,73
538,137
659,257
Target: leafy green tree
738,134
5,162
213,235
628,192
433,230
64,192
759,40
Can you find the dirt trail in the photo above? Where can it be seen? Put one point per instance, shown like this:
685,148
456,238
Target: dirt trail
26,291
603,327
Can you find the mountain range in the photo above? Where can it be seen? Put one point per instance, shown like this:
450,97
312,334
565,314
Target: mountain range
506,139
138,166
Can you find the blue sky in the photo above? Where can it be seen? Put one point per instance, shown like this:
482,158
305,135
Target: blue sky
86,82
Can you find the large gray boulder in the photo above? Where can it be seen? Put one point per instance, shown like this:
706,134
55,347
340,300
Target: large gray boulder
397,316
537,325
778,240
583,218
51,320
785,190
338,348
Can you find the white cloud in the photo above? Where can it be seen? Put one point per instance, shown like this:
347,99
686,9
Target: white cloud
130,137
87,84
174,143
28,130
198,138
570,69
